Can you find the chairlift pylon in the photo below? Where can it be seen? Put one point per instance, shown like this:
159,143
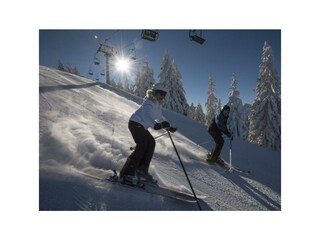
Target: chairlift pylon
150,35
107,50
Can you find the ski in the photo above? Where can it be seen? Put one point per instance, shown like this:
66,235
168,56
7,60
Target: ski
146,186
226,165
154,188
236,169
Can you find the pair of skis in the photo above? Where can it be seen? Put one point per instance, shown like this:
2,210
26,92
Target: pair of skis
145,186
233,168
227,166
154,188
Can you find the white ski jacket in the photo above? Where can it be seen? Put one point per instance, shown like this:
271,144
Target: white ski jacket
149,113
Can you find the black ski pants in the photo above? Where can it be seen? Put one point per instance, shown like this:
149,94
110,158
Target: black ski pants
218,139
143,152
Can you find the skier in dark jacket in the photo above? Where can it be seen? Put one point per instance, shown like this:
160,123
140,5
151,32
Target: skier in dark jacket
216,129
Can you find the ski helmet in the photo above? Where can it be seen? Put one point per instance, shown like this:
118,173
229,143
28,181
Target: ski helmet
225,107
159,87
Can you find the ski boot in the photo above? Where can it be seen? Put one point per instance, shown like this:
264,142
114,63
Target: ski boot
145,176
130,180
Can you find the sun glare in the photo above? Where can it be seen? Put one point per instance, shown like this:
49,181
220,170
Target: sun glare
123,65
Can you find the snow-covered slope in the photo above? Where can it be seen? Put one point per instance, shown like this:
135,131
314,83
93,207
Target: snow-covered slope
83,130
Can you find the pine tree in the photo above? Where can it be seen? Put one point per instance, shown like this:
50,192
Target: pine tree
192,111
127,86
61,66
212,107
237,121
171,78
199,115
144,79
265,116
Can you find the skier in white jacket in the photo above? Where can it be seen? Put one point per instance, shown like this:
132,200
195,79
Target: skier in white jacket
149,115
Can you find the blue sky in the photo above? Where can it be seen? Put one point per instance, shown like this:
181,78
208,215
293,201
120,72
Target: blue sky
224,52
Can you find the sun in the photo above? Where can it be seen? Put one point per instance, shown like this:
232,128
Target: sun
123,65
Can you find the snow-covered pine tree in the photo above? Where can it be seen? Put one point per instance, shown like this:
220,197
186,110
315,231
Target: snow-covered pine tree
126,86
71,69
171,78
144,79
237,121
192,111
61,66
265,116
212,105
246,109
199,115
119,85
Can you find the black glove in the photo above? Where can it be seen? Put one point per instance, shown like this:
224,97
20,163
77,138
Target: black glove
229,135
165,124
157,126
172,129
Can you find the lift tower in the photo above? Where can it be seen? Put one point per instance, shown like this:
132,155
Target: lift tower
108,52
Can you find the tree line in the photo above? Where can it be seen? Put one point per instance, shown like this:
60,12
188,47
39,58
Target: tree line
259,123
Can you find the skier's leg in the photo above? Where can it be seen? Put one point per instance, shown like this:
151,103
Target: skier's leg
217,150
145,161
139,135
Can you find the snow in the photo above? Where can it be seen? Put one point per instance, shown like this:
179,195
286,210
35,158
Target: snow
83,130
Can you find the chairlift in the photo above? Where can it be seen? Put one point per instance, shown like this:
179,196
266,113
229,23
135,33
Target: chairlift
102,73
195,37
150,35
96,61
132,54
97,78
90,72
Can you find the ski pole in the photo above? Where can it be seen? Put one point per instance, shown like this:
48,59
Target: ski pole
160,135
230,168
194,194
131,148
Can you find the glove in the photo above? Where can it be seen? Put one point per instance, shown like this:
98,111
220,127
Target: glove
157,126
172,129
164,124
229,135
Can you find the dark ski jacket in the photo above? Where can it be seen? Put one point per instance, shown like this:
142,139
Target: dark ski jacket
219,125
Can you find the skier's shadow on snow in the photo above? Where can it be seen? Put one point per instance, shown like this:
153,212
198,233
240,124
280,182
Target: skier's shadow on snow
264,199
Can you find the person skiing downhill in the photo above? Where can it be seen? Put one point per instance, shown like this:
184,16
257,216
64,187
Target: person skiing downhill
149,115
216,129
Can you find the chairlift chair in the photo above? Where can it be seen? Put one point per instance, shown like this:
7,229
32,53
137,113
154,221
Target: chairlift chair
96,61
194,37
90,72
150,35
